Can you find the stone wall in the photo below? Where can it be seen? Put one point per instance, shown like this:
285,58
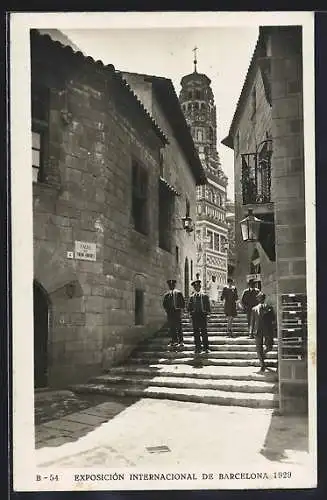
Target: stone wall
288,184
177,172
87,197
251,130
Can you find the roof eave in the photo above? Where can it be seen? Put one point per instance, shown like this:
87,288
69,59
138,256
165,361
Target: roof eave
112,72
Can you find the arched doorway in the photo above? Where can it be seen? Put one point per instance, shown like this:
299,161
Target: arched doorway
41,335
186,279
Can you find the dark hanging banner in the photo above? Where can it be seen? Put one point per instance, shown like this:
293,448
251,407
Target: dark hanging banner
294,327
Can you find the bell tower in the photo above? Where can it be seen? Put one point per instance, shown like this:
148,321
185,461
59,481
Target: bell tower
198,105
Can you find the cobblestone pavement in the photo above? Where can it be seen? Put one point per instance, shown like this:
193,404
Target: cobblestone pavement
123,433
65,407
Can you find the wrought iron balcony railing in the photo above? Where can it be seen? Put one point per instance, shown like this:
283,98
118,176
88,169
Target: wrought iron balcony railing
256,176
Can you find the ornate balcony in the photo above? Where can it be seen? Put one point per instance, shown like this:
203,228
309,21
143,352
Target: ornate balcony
256,175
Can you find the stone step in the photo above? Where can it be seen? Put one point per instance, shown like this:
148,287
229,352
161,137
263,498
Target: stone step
219,354
214,339
207,372
158,344
187,382
209,396
200,360
218,330
221,322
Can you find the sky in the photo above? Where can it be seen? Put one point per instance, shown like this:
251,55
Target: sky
223,54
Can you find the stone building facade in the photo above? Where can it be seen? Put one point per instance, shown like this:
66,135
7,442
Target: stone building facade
179,161
197,101
99,270
266,135
230,221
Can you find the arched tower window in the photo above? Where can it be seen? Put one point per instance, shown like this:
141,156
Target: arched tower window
210,134
187,207
203,106
189,94
196,105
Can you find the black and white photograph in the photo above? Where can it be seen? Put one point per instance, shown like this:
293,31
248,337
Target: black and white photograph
163,251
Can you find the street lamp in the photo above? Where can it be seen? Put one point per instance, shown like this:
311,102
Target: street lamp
250,227
187,224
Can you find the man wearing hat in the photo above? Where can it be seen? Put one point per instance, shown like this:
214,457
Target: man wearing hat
173,304
263,327
199,308
249,300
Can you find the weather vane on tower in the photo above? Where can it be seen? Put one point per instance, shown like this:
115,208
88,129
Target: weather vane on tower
195,59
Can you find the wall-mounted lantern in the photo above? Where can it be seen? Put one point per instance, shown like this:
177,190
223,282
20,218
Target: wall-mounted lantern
187,224
250,227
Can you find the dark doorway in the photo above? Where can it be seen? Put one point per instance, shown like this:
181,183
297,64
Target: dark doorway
186,279
41,334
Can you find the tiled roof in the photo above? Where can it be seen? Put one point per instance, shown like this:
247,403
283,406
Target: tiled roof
169,186
36,35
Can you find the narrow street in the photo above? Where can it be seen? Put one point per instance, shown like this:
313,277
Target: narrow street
120,432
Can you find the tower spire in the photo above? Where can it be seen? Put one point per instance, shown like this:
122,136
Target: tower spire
195,59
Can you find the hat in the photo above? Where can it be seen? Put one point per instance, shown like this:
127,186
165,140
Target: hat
171,281
196,282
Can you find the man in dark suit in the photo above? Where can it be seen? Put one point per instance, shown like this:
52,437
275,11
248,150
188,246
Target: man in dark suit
263,327
173,304
249,300
199,308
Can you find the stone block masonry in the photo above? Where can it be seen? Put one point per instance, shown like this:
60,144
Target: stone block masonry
289,200
92,303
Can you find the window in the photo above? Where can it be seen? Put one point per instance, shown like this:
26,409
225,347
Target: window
187,207
189,95
197,94
139,307
216,242
40,123
36,155
177,254
253,102
200,135
166,209
237,143
139,197
210,239
161,163
223,243
203,106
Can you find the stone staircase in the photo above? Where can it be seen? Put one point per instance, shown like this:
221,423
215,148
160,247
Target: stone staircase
228,375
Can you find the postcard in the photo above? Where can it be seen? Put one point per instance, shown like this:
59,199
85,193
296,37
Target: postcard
163,251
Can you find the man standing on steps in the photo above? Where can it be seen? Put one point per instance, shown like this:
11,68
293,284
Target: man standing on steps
199,308
249,300
173,304
263,327
230,296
